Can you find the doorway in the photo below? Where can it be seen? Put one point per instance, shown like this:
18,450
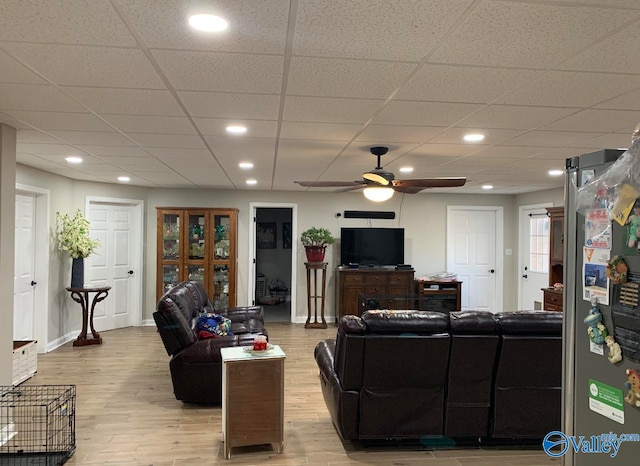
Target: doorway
273,277
475,242
533,255
117,224
31,266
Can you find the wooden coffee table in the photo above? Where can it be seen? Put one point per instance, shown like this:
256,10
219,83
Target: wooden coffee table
252,398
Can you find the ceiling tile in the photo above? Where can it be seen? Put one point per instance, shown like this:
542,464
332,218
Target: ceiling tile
329,110
472,161
255,128
63,22
617,53
230,151
136,164
447,83
14,72
491,136
608,141
569,89
240,106
424,113
525,34
8,120
116,151
550,138
448,150
37,98
163,24
164,153
75,65
150,124
126,101
48,149
330,77
628,101
63,121
92,137
33,135
177,141
396,133
514,117
321,131
595,121
516,152
221,72
376,29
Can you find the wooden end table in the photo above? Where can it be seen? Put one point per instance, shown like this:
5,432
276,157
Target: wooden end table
81,296
252,398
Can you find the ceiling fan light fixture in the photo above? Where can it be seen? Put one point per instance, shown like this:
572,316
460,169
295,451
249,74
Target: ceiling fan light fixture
376,178
378,193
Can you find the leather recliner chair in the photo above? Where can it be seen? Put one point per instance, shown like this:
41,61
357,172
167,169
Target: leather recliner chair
196,364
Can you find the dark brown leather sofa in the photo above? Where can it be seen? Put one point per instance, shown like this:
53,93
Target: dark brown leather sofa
196,365
467,376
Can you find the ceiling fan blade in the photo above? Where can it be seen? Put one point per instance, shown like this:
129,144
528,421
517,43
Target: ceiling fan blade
330,184
430,183
407,189
350,188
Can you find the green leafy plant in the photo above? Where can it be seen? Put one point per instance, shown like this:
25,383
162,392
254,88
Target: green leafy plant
319,237
72,234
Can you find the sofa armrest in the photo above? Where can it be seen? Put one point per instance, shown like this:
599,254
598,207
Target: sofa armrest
343,405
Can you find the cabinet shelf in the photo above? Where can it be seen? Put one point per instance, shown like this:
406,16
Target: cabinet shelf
439,296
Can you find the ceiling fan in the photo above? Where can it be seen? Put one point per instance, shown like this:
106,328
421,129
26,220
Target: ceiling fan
380,184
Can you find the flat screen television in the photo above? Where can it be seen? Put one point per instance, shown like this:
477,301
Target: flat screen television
372,246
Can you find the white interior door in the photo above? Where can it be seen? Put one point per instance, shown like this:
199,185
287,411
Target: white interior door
533,262
113,264
474,238
24,269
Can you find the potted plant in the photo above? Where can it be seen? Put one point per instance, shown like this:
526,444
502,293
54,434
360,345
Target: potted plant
73,236
315,241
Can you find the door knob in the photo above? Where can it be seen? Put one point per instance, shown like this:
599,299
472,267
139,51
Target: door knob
525,276
130,272
33,283
492,271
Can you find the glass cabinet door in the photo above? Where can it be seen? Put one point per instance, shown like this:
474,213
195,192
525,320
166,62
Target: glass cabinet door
221,287
171,237
197,234
196,273
170,276
221,241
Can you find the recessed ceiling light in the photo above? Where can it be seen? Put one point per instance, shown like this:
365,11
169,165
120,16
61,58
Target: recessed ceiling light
474,137
208,23
555,172
236,129
74,159
124,179
487,186
252,181
245,165
406,169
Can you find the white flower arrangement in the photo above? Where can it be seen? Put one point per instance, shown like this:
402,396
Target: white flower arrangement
73,235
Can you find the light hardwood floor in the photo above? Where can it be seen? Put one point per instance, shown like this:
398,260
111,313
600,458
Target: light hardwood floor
126,413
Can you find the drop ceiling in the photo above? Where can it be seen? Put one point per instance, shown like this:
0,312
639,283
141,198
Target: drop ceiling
128,86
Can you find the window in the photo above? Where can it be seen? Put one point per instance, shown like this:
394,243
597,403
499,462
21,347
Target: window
539,244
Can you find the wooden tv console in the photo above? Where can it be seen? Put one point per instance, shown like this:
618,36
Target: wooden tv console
370,281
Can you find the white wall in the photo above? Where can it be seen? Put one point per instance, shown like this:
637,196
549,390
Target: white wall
422,215
7,248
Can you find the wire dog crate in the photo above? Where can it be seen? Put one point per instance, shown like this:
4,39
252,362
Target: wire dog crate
37,424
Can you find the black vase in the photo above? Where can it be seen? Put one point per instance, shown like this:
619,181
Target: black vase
77,273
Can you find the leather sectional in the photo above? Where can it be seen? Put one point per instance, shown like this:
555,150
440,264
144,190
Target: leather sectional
467,376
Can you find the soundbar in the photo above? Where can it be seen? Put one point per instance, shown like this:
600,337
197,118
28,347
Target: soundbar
369,214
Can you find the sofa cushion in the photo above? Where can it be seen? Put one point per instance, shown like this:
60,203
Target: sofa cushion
386,321
472,322
529,322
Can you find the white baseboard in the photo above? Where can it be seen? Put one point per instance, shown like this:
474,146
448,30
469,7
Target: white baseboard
58,342
303,319
148,323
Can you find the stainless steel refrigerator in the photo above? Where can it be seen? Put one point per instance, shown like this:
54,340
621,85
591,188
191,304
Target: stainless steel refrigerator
593,388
